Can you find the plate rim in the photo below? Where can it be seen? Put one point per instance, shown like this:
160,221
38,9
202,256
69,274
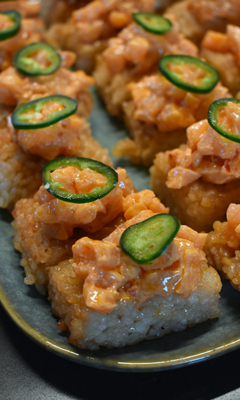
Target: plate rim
108,364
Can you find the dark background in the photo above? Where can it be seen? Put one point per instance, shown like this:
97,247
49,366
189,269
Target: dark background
28,371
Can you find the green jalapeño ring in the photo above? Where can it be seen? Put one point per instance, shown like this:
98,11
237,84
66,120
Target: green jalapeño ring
25,62
25,112
213,118
207,83
57,190
153,23
147,240
15,17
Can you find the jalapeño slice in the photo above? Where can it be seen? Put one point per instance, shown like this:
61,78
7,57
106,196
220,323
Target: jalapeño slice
26,59
206,82
153,23
56,189
28,115
14,18
213,119
147,240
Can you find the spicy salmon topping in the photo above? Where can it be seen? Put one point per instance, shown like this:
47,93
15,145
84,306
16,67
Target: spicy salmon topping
110,275
207,154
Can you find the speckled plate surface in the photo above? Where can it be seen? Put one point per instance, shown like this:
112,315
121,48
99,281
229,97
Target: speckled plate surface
31,311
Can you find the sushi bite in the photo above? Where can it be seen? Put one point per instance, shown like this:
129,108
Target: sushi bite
200,179
47,226
124,298
88,29
163,105
134,53
41,130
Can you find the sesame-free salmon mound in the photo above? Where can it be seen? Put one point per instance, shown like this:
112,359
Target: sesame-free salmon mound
199,180
158,114
89,28
23,154
198,204
46,227
222,246
114,302
131,55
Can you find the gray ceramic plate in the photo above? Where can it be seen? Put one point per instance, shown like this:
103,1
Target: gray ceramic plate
31,311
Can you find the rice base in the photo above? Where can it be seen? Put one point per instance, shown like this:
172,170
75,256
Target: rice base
128,323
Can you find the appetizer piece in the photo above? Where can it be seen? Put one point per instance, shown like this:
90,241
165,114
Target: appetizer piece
163,105
39,70
223,244
16,32
89,28
147,278
196,17
199,180
44,129
135,52
25,7
222,50
91,198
